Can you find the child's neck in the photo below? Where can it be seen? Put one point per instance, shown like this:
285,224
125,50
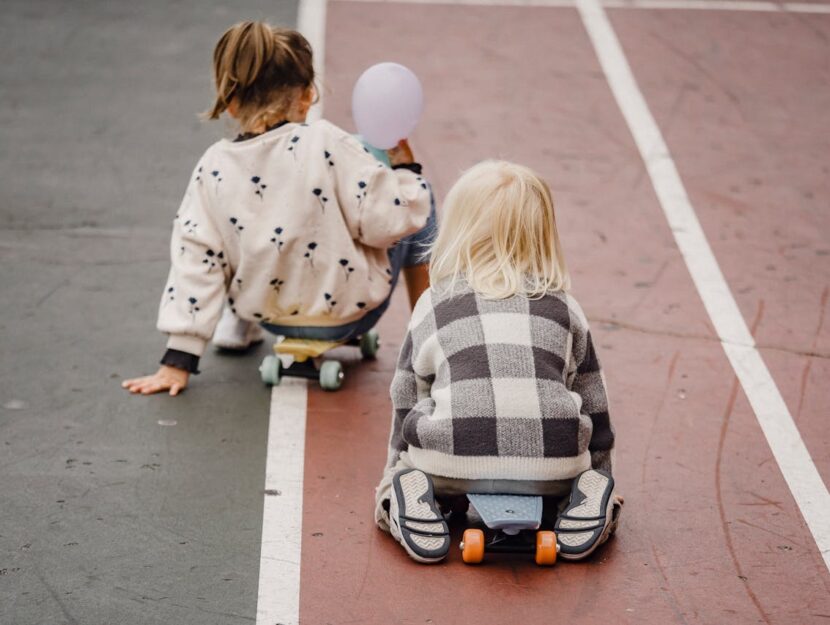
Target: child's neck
266,123
244,136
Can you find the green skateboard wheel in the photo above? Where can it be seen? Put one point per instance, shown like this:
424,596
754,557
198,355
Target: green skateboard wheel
269,370
370,344
331,375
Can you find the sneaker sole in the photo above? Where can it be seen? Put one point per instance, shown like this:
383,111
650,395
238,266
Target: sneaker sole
425,535
598,490
236,347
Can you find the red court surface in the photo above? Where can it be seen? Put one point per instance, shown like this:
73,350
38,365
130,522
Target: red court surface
710,532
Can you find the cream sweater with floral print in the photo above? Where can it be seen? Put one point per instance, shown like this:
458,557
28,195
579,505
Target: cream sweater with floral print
291,227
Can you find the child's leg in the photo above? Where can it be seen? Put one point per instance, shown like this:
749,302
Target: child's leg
383,493
412,255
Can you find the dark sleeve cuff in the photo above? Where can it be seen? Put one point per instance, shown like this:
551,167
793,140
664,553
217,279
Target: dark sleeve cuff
413,167
181,360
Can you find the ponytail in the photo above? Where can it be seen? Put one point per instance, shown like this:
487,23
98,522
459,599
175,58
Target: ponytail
262,68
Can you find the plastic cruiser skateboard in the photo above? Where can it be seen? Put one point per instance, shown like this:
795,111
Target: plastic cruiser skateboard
302,358
513,527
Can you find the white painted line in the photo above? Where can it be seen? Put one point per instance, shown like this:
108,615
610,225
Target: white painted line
801,475
691,5
282,511
486,3
718,5
311,22
278,596
806,7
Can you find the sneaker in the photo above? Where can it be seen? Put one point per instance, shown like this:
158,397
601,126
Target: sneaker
590,516
234,333
414,518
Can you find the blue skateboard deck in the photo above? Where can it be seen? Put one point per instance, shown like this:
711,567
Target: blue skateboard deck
508,513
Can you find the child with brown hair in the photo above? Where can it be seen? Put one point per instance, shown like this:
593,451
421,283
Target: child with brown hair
291,226
498,387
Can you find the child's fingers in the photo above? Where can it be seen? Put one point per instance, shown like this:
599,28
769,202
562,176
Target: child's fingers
153,387
133,385
175,388
142,385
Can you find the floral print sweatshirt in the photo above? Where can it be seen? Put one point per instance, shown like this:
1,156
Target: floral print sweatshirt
291,227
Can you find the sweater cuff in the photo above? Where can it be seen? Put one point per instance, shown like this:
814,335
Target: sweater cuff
413,167
187,343
181,360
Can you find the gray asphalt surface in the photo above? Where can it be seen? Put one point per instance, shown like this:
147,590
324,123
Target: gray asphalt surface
106,516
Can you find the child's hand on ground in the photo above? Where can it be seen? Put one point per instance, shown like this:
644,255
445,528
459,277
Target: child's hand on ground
166,378
401,154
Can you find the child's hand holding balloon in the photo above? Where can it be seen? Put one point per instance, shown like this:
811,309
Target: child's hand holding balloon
401,154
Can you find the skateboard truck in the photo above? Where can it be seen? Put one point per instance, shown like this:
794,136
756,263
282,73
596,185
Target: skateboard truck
511,521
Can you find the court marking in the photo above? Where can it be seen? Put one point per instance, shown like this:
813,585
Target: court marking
311,22
280,556
278,594
783,437
692,5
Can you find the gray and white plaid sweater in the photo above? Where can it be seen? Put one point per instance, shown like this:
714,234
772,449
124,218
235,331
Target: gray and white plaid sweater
500,389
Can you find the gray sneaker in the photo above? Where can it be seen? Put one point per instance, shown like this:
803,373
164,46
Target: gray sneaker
234,334
590,516
414,518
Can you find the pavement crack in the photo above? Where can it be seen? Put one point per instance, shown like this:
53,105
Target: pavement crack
71,619
727,534
51,292
622,325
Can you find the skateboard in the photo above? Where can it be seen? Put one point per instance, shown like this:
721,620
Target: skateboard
302,358
512,521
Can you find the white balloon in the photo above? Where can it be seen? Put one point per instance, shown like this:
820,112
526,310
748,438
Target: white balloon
387,103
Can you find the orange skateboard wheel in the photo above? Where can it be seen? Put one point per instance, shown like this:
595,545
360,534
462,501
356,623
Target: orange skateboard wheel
545,548
472,546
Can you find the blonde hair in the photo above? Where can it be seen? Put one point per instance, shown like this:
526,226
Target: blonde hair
264,68
499,234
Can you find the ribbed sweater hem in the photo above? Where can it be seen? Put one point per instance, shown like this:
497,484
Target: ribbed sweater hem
498,467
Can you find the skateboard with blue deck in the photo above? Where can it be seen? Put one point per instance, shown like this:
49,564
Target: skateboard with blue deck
513,523
302,358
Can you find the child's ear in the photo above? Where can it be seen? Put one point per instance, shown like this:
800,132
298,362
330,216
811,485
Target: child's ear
233,108
302,101
307,99
310,95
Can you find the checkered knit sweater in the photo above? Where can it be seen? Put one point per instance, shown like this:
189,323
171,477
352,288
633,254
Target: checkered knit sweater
500,389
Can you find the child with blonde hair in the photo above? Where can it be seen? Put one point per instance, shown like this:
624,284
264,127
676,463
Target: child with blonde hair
291,226
498,388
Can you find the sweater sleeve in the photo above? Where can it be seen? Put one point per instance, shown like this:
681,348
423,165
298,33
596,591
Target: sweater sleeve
380,205
404,392
193,297
589,383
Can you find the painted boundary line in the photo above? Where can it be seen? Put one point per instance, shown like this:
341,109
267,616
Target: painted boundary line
282,511
694,5
801,475
280,558
311,22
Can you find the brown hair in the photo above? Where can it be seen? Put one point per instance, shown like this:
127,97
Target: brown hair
264,68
